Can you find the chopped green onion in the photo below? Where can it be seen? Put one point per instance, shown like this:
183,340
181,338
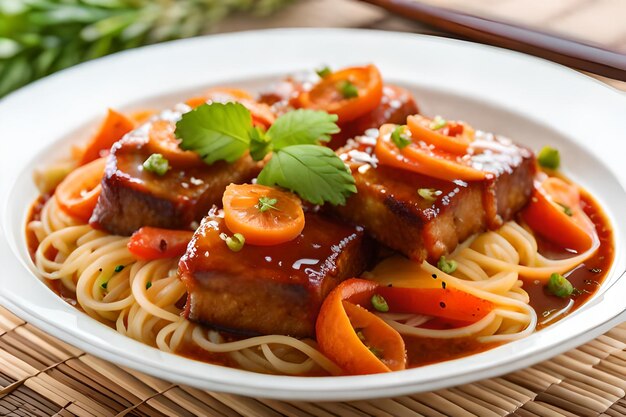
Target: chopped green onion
438,123
157,164
399,138
348,89
360,335
379,303
324,71
447,266
566,209
266,203
119,268
104,285
549,157
429,194
148,285
376,352
560,286
235,242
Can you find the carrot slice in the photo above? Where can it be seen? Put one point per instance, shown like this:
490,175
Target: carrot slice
453,137
327,95
262,114
423,160
357,340
161,139
555,213
78,193
149,243
448,303
142,116
112,129
263,215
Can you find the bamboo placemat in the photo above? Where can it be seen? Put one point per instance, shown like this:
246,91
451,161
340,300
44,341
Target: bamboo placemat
42,376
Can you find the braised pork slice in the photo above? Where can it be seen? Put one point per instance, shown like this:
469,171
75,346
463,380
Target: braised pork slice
390,208
132,197
269,289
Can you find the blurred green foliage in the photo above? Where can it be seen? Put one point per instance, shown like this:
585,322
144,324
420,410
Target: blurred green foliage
39,37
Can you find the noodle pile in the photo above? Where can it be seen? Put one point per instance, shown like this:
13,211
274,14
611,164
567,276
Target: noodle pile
141,298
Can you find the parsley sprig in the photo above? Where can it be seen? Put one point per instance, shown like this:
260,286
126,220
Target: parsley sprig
299,163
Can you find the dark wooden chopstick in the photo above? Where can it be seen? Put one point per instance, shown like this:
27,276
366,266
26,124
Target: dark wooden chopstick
542,44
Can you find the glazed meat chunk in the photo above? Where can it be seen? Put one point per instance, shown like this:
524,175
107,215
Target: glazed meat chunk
132,197
389,206
275,289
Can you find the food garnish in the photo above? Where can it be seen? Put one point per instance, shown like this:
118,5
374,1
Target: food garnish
447,266
399,138
113,128
560,286
149,243
438,123
281,223
235,242
324,71
224,132
445,303
161,140
156,164
266,203
548,157
554,212
379,303
429,194
348,93
444,135
349,334
420,158
566,209
78,193
348,89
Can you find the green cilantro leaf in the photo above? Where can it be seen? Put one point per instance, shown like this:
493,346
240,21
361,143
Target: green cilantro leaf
216,131
313,172
260,143
300,127
266,203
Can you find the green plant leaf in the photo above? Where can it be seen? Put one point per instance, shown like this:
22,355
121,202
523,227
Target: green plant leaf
313,172
300,127
216,131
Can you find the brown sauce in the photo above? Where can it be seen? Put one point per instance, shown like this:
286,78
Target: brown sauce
586,278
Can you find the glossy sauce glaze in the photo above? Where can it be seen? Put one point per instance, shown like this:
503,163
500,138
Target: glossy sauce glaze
275,289
586,278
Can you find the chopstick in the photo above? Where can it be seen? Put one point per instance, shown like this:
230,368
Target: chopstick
534,42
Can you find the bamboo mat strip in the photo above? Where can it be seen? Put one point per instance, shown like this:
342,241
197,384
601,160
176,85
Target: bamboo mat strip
42,376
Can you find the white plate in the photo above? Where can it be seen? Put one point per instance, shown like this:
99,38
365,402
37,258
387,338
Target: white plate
533,101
